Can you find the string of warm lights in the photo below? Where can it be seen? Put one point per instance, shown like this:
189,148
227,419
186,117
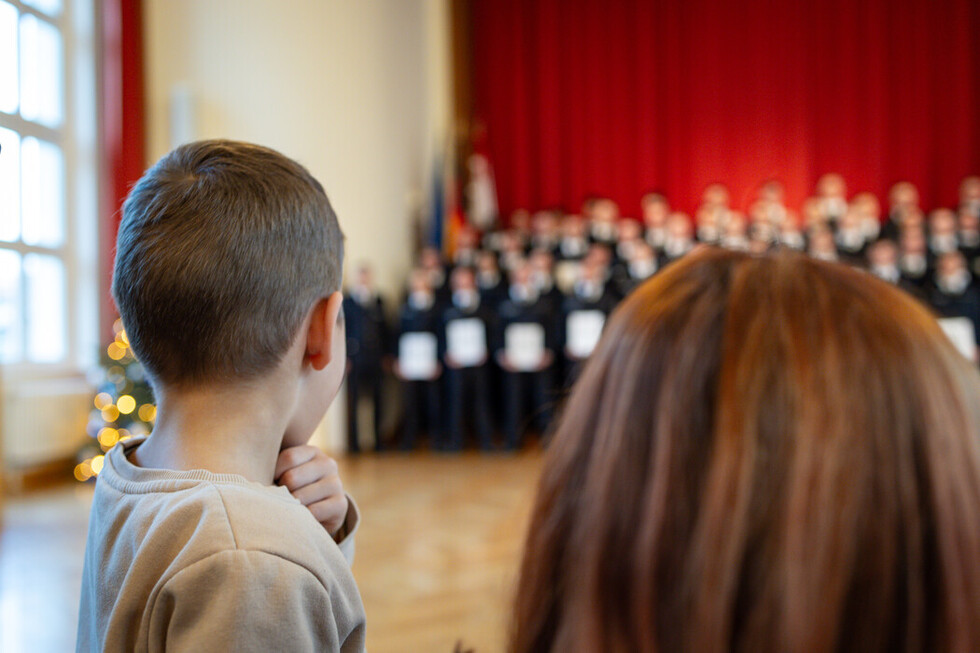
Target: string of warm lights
124,406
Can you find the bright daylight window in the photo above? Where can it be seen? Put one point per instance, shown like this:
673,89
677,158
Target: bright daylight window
47,189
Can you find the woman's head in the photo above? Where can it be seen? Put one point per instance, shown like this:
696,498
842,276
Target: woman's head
763,453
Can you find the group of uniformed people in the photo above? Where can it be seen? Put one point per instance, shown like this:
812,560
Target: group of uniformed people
487,339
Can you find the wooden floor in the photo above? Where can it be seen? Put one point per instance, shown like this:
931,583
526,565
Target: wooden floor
42,538
437,552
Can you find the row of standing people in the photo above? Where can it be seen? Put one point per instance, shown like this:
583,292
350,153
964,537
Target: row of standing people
470,346
501,328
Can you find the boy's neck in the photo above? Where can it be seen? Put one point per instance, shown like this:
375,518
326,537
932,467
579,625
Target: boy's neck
235,430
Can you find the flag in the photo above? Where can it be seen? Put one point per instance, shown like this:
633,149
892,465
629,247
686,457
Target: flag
436,206
482,193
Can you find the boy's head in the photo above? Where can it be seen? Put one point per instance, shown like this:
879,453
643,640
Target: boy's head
223,250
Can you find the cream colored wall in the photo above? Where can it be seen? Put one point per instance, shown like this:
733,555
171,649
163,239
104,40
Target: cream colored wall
356,90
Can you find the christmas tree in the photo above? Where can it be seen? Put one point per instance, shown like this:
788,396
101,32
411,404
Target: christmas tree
124,405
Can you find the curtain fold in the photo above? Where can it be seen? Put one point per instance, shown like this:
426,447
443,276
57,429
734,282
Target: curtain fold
584,97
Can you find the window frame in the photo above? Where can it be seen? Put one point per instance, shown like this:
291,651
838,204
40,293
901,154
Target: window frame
78,137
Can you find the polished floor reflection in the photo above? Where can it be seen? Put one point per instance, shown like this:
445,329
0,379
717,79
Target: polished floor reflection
437,552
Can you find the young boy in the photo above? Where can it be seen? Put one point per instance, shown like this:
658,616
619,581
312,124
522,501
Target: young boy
227,276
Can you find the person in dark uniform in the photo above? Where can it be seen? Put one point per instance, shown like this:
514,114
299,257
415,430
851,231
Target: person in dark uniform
512,251
629,233
968,235
492,286
903,209
821,244
643,264
464,342
953,293
602,229
524,347
544,231
850,238
467,247
883,263
573,244
942,232
914,260
543,277
735,234
490,283
590,299
970,195
680,236
656,209
432,262
367,342
419,319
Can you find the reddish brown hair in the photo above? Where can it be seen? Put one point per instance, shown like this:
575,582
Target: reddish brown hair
763,454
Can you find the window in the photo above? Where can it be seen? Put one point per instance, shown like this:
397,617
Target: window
48,193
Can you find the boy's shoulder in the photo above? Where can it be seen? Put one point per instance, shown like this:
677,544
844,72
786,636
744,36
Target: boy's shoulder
207,513
165,546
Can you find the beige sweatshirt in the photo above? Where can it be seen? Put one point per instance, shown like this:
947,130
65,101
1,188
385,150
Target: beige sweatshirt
195,561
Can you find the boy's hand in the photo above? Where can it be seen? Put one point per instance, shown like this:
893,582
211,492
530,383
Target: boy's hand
312,477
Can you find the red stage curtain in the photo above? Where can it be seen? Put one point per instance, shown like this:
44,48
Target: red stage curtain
615,98
122,103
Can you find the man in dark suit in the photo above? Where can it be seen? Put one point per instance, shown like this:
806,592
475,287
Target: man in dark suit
914,260
367,342
524,347
542,276
942,232
419,320
953,293
573,244
544,231
489,281
464,343
602,229
643,264
903,209
590,299
432,262
850,238
467,247
968,236
883,263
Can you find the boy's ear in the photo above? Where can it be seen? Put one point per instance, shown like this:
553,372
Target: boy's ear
324,327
